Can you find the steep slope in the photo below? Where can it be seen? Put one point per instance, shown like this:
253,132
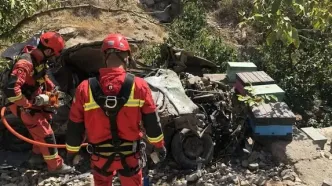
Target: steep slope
96,21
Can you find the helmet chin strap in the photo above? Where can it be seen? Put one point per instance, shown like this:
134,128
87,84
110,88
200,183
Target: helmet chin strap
118,55
107,56
45,58
123,60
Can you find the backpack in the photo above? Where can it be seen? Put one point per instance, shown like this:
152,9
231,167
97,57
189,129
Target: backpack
7,67
8,58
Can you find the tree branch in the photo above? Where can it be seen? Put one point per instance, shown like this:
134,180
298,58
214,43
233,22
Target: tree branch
315,31
308,39
32,17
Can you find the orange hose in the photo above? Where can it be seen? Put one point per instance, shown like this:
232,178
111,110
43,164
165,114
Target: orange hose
27,139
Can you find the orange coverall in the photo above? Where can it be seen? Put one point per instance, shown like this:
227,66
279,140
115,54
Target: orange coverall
86,115
25,82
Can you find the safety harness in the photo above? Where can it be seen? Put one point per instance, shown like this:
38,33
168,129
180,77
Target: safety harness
28,90
116,147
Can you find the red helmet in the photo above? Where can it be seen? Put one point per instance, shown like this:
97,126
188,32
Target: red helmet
54,41
117,42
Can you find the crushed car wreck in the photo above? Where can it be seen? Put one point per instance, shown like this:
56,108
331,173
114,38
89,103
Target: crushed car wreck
190,104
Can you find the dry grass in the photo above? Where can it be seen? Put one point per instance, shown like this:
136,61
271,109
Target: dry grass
94,25
225,19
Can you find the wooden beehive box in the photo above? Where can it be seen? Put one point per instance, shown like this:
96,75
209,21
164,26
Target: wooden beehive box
251,78
236,67
272,120
271,89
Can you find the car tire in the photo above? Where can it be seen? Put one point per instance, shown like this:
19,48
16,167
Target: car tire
180,156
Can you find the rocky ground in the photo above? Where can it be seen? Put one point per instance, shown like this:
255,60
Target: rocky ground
311,162
257,168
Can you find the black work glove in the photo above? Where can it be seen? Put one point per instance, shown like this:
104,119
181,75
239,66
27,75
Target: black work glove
161,153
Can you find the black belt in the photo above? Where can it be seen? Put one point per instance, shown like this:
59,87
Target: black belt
119,147
117,153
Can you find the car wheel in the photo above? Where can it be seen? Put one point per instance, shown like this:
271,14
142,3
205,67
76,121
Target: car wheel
187,147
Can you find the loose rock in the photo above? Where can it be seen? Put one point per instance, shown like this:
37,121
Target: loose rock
274,183
234,179
5,176
10,184
288,175
253,166
327,182
244,183
180,183
192,178
261,181
289,183
245,163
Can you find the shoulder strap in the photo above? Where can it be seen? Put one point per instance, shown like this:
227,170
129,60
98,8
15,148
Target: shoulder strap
25,56
124,92
31,59
126,87
95,89
120,99
112,113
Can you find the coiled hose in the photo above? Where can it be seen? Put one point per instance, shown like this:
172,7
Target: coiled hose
7,125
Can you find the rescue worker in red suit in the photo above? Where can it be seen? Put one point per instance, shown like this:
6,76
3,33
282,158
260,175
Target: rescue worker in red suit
109,108
27,79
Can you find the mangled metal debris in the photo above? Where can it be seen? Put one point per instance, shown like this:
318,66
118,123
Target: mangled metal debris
196,110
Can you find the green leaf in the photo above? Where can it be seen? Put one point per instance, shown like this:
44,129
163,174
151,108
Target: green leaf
278,12
251,103
258,16
295,37
286,38
286,18
275,6
271,38
12,4
241,98
247,88
267,98
316,23
298,8
241,24
274,97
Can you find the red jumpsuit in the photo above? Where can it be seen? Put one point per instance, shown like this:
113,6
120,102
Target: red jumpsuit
25,82
86,115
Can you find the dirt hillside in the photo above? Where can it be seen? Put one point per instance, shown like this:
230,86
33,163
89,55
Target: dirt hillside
95,22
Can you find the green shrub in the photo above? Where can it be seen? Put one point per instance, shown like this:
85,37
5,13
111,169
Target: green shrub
304,73
190,32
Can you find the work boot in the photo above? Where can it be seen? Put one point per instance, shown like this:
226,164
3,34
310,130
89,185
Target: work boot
35,159
64,169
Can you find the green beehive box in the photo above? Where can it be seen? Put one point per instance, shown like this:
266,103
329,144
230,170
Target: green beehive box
270,89
236,67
